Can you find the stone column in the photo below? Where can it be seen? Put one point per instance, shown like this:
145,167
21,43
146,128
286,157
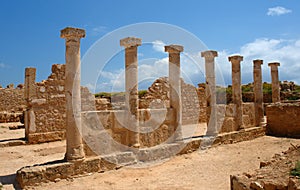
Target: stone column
211,90
258,92
275,82
30,93
75,150
236,89
131,89
175,86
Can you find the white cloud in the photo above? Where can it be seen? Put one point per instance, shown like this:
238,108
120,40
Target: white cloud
277,11
284,51
159,46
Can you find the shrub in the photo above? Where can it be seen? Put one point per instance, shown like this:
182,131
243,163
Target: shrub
296,170
142,93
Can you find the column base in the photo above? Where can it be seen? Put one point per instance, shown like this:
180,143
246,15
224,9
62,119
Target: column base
75,155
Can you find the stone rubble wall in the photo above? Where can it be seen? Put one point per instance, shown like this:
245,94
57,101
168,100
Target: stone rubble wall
193,100
47,111
108,128
12,101
272,174
6,117
283,120
226,117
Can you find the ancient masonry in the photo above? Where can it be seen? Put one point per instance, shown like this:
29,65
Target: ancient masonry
51,113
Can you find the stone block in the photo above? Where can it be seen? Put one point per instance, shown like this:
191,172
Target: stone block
283,120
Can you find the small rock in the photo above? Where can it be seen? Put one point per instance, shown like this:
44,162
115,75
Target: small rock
256,185
57,180
248,175
260,177
264,164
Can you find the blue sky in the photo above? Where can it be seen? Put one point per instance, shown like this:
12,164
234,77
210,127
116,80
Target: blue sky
264,29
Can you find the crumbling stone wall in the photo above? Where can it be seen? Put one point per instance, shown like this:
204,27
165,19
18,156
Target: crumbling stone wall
193,100
283,119
46,115
12,100
107,128
226,117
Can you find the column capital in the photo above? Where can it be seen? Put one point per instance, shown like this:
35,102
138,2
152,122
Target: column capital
209,54
130,42
70,32
238,58
258,62
174,48
274,64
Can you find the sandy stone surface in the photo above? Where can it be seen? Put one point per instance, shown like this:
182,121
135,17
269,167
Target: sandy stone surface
6,134
208,169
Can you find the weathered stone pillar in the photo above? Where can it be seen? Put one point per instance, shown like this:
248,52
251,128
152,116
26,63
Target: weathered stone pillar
258,92
30,93
236,89
175,86
72,91
275,82
211,90
131,88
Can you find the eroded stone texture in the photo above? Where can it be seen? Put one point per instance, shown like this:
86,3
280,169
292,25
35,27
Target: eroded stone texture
211,90
46,112
12,100
72,92
236,88
273,174
131,88
275,82
258,92
175,86
283,120
193,100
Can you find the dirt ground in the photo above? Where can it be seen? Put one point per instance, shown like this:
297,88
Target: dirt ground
204,169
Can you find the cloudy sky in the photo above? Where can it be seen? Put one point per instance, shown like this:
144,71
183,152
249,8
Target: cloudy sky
257,29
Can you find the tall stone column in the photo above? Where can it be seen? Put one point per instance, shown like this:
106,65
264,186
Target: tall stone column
131,88
30,93
258,92
275,82
75,150
209,57
236,89
175,86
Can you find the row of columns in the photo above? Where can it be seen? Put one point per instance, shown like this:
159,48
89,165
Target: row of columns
74,150
236,88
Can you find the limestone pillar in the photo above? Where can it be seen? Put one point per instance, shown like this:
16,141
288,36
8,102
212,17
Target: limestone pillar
30,93
258,92
74,150
209,57
275,82
175,86
131,88
236,89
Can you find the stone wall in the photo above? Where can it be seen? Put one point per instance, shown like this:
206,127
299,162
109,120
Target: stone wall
12,100
108,129
193,100
226,117
283,119
46,115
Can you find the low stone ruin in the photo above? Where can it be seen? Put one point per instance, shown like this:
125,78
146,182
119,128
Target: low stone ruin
283,120
272,175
